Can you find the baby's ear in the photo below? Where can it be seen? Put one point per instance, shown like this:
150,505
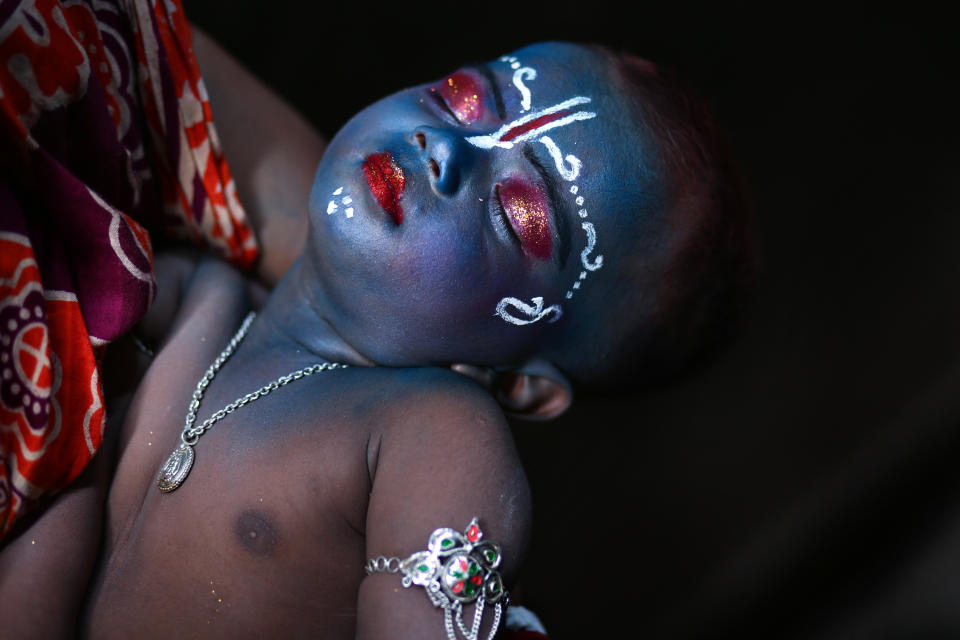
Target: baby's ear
535,390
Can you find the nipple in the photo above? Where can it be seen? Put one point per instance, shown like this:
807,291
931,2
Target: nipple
257,533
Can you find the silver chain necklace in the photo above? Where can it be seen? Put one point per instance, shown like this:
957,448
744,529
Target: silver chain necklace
174,471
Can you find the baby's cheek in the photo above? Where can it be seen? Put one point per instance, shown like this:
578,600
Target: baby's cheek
448,276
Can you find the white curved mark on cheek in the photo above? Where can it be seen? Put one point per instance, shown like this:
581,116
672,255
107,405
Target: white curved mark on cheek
558,159
529,313
591,245
521,74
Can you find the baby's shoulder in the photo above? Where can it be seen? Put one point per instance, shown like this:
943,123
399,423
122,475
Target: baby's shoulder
435,405
440,428
446,457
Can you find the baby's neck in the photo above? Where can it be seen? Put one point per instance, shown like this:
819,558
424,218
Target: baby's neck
291,318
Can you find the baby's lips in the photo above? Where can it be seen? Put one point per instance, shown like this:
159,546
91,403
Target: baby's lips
386,180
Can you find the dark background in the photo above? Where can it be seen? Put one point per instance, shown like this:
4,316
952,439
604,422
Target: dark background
802,485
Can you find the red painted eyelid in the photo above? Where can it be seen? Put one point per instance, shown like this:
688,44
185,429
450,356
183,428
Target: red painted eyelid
540,245
457,102
544,246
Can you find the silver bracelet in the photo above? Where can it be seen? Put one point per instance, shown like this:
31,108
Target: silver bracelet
456,569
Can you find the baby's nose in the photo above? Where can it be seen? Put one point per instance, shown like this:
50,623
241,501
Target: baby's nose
443,153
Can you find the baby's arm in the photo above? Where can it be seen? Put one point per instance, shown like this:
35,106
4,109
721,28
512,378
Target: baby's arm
449,457
272,151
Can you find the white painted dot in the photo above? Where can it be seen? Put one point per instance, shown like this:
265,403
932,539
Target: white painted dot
331,207
4,357
574,189
579,200
338,191
81,35
576,285
24,314
569,295
15,387
514,65
12,325
347,200
7,374
36,407
349,211
26,400
583,213
37,311
583,274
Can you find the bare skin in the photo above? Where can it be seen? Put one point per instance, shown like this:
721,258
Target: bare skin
291,494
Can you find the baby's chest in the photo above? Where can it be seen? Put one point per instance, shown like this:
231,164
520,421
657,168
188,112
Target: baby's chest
250,541
270,480
287,458
271,510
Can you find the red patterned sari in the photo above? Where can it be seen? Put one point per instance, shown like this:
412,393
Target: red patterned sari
105,133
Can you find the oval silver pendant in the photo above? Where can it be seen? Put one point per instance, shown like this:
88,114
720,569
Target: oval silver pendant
174,471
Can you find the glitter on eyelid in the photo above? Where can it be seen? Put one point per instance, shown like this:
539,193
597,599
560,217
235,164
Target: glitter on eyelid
461,93
527,209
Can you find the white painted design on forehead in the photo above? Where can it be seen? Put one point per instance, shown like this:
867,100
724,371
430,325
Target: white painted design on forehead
569,169
511,60
530,313
591,245
494,139
519,75
557,155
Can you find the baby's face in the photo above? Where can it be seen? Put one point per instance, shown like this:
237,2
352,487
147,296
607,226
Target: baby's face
465,220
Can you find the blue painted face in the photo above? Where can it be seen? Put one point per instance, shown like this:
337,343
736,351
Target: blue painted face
471,219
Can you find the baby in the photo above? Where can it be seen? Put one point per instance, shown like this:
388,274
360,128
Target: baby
475,248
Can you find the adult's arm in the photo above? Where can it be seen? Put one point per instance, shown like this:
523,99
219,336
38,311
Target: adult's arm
47,562
449,457
272,150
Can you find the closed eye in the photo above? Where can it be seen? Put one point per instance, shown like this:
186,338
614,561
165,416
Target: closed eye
528,212
444,106
500,219
554,189
461,95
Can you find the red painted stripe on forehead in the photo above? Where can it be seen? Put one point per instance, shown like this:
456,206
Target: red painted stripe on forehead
533,124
